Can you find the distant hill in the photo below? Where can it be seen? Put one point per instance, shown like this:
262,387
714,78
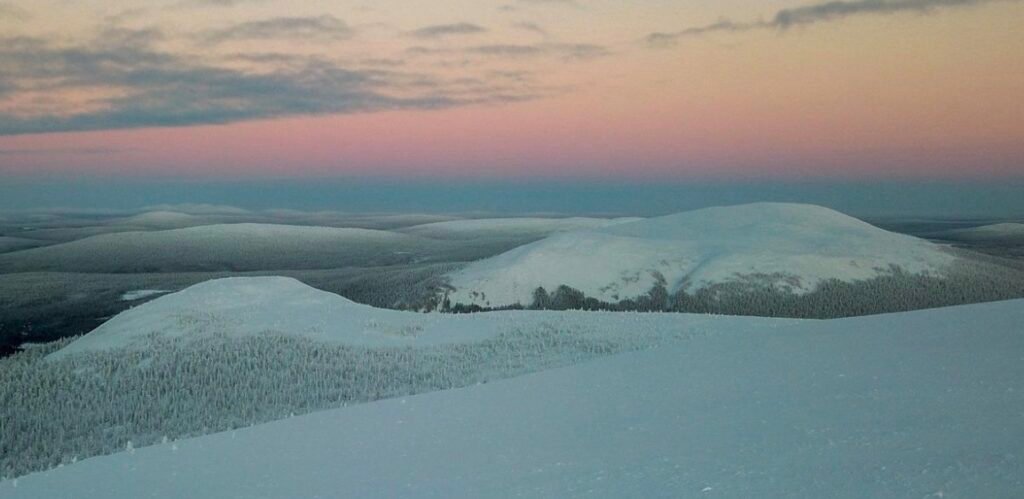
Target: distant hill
509,227
8,243
787,247
235,247
996,233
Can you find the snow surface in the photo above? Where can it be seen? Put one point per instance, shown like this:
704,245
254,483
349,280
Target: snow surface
245,306
911,405
801,245
499,226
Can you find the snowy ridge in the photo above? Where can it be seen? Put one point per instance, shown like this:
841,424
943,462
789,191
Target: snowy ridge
792,246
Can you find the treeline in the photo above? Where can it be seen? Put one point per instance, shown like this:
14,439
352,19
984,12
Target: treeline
895,290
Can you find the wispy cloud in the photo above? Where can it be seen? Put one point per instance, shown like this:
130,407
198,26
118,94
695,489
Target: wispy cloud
513,7
146,87
70,151
562,50
319,27
531,27
443,30
565,51
813,14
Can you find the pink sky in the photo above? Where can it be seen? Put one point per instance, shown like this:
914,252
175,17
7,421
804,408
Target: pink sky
877,96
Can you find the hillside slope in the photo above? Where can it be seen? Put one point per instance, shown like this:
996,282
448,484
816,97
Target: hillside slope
787,246
921,404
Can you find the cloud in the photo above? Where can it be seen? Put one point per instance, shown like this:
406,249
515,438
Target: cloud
145,87
565,51
539,3
813,14
320,27
531,27
442,30
562,50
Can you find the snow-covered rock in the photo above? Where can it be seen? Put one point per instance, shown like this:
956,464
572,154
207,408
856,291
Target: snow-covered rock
792,246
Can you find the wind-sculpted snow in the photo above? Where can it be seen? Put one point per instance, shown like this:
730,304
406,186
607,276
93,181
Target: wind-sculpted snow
925,404
796,247
234,352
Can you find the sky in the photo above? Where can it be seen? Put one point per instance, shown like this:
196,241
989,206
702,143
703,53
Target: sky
575,92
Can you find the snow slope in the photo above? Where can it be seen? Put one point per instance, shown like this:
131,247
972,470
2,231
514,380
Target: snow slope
244,306
491,227
922,404
244,246
793,246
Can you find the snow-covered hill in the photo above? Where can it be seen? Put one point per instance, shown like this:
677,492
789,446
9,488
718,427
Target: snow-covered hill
923,404
240,307
239,351
243,246
252,306
793,247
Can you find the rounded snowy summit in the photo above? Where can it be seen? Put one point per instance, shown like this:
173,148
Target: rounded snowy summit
792,247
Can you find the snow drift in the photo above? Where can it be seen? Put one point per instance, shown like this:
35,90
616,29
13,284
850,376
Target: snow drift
790,247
